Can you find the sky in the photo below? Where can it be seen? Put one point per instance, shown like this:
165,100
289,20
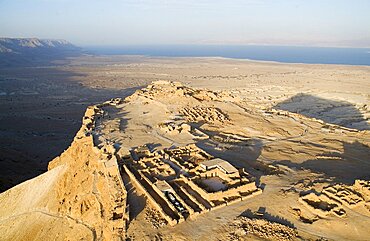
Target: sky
336,23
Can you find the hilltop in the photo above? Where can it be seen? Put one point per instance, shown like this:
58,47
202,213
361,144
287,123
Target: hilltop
172,162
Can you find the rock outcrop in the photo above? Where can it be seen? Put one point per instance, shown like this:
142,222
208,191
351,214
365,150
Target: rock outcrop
82,195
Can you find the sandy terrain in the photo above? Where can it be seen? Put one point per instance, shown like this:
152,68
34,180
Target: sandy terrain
299,132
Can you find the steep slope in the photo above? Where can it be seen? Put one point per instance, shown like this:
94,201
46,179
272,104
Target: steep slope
80,197
33,51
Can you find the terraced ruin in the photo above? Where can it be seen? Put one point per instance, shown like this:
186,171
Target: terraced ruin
179,179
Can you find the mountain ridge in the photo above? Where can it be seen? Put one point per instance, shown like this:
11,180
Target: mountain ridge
34,51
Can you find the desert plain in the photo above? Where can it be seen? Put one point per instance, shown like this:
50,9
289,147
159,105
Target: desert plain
292,144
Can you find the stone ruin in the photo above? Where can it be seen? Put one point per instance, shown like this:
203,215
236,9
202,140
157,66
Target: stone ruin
180,187
334,198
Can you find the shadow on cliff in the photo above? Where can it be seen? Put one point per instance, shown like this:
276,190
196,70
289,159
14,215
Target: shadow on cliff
346,167
331,111
41,111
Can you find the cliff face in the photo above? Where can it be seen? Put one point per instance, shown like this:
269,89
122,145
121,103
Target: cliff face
81,196
33,51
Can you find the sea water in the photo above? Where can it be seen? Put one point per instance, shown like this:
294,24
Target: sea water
286,54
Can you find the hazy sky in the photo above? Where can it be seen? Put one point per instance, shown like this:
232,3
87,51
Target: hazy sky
123,22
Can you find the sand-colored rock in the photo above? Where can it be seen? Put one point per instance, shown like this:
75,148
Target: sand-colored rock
80,197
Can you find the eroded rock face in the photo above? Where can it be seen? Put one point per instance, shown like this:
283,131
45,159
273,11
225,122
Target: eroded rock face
81,196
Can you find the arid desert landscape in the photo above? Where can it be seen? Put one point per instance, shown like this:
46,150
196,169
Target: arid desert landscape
150,148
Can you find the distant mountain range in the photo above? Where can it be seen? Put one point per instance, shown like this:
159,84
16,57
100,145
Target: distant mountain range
34,51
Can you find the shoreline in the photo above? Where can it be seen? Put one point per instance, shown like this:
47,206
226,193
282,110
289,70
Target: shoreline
217,58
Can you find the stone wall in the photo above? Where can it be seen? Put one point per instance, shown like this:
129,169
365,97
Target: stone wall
151,200
249,187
